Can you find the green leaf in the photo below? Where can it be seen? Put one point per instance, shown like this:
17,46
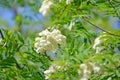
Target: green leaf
20,37
9,61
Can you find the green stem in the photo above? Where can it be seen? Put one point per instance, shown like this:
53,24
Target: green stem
48,57
100,28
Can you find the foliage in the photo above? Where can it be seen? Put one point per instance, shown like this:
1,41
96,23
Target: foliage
18,60
78,21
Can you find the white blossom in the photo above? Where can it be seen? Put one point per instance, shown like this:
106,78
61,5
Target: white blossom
44,33
83,78
52,69
84,72
68,1
83,66
60,0
86,69
48,41
43,45
110,78
46,7
96,69
97,43
2,43
61,39
99,49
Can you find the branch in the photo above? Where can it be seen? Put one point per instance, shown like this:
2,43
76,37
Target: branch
48,57
100,28
1,33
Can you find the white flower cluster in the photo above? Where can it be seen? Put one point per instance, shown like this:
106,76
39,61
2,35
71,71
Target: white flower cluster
52,69
67,1
48,41
46,7
98,41
87,69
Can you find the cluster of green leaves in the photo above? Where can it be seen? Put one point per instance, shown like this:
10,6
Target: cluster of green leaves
79,50
18,60
81,35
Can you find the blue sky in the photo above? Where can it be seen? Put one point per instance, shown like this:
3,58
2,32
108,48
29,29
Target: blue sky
8,15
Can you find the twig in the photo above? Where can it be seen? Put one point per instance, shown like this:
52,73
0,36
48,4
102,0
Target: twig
113,8
100,28
1,34
48,57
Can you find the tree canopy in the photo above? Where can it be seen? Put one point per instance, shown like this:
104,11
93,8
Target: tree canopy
60,40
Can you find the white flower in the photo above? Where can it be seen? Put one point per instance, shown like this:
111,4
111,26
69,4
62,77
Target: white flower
61,39
83,66
83,78
44,33
97,43
52,69
53,42
68,1
96,69
109,78
43,45
60,0
47,73
48,41
86,70
99,49
45,8
37,39
56,34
